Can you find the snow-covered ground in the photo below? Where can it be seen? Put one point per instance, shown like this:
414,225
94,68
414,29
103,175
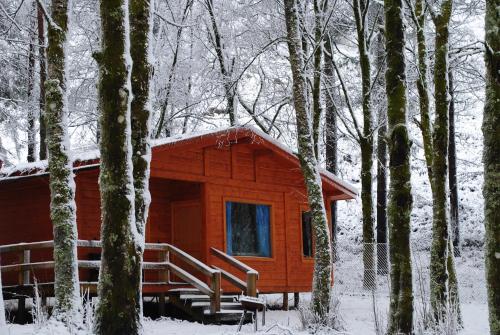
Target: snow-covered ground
356,312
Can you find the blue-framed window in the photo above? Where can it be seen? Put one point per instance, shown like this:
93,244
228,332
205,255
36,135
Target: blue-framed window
248,229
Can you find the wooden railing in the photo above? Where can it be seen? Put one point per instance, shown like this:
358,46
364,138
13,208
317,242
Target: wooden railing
25,267
250,285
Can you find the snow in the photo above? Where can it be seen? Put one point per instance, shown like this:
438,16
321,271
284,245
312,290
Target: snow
356,313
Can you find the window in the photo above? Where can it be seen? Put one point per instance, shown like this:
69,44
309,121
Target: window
307,244
248,229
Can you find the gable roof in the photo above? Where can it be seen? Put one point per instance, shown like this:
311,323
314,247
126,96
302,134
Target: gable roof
90,158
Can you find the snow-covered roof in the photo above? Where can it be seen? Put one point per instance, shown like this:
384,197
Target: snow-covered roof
88,158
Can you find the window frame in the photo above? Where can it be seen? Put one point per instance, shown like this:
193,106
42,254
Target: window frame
305,208
271,227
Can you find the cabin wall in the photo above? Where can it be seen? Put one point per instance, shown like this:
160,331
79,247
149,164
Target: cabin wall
247,172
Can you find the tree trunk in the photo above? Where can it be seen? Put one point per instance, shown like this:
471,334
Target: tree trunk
400,198
491,159
452,172
62,185
381,103
43,77
229,87
331,135
171,75
31,85
322,257
319,10
439,279
119,307
422,87
140,24
366,143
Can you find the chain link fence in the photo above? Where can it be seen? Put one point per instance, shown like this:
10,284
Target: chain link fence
351,277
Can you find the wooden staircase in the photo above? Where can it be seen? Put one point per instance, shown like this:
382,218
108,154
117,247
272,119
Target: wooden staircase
200,298
197,306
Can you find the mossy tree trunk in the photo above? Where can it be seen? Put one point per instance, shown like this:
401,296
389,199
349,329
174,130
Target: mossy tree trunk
317,110
439,270
31,157
140,25
422,85
309,165
400,198
380,99
331,134
452,171
491,159
43,76
62,186
366,143
119,307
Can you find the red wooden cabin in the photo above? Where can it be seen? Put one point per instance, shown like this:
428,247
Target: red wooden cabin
235,189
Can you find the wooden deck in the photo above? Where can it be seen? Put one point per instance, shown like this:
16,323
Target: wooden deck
178,279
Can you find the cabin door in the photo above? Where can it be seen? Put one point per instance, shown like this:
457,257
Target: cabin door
187,227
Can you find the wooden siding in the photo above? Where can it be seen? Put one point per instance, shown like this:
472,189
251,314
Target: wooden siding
208,175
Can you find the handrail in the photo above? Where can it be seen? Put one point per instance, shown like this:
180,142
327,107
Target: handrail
231,260
232,278
213,290
252,275
202,267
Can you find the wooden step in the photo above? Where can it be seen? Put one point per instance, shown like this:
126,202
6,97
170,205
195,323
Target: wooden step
202,297
224,305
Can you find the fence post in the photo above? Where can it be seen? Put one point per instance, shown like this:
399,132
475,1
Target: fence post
163,278
252,277
215,286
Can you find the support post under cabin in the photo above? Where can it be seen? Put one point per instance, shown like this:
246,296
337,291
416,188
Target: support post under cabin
285,301
296,299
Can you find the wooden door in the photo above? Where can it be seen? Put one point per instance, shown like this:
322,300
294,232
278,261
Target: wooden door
187,227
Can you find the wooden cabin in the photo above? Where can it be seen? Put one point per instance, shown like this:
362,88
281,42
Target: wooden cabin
236,190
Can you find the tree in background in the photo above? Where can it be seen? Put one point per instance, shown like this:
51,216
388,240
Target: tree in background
322,257
119,307
62,185
400,197
379,100
43,76
442,272
491,159
331,131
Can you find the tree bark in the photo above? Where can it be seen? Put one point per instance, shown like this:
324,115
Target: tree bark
140,25
31,85
331,134
319,10
439,271
422,86
400,198
452,172
62,186
322,258
366,143
43,76
380,98
119,307
491,160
